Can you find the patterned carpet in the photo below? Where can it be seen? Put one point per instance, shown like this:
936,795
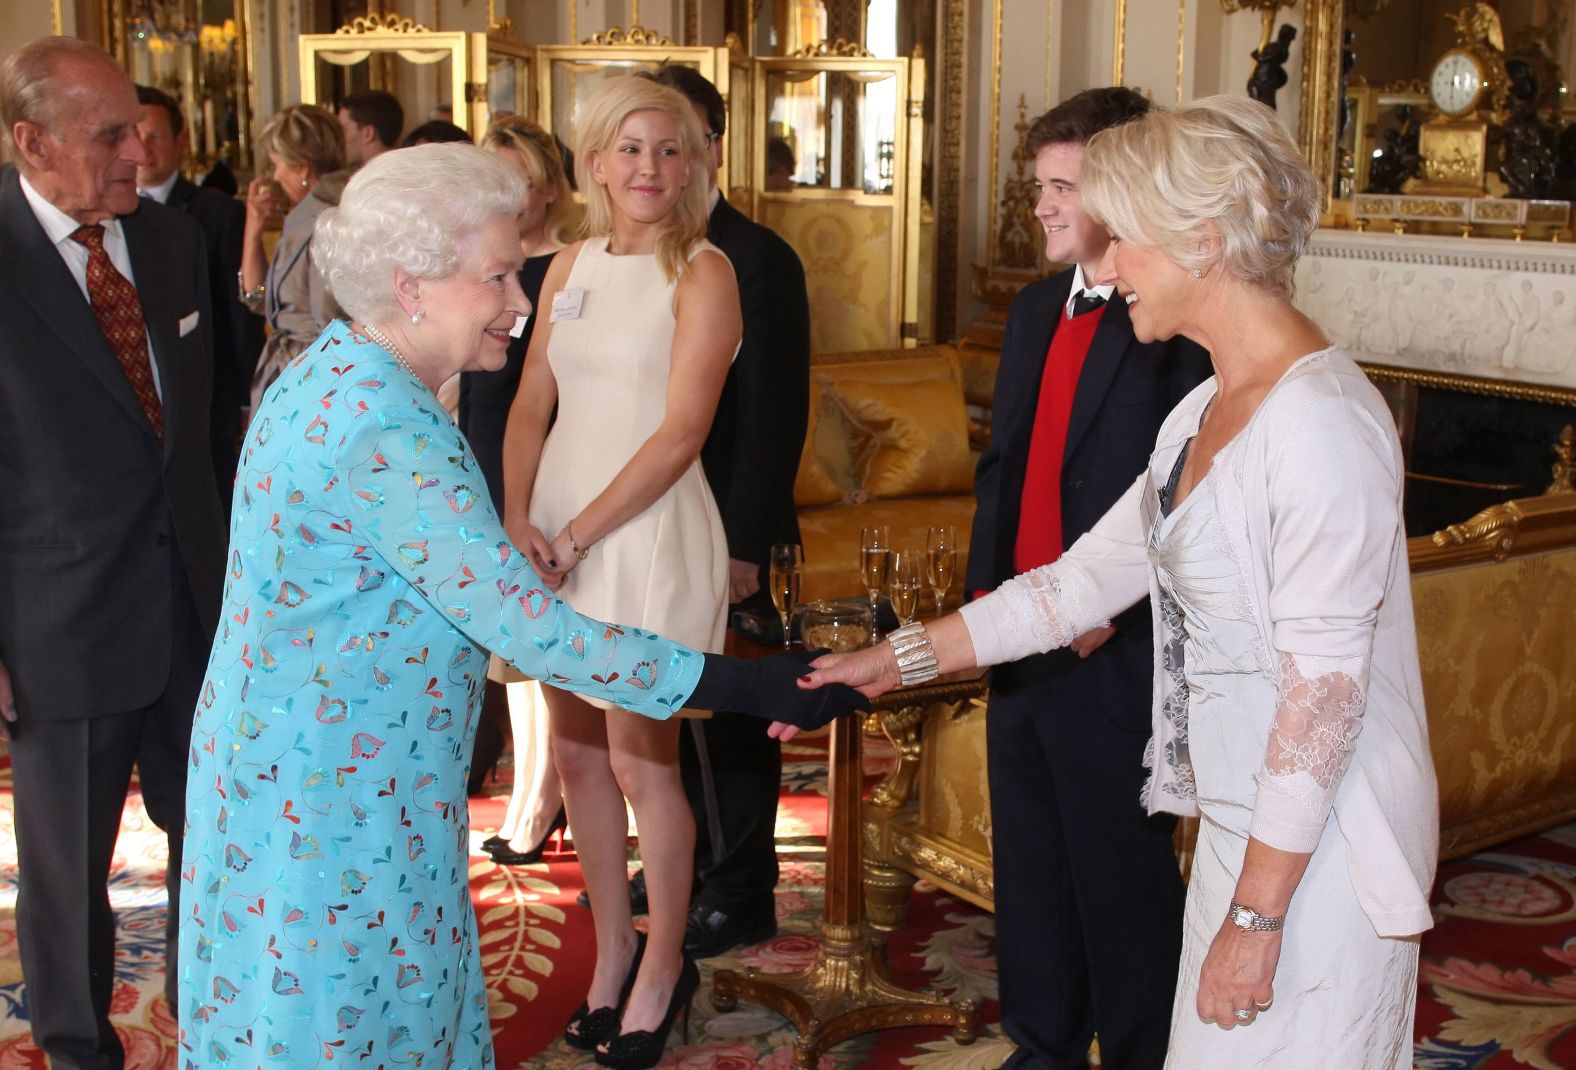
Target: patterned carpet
1499,973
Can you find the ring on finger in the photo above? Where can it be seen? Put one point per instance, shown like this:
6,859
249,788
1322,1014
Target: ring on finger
1243,1015
1257,1006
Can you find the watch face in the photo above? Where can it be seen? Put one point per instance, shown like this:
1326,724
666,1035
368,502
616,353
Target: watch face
1243,918
1456,82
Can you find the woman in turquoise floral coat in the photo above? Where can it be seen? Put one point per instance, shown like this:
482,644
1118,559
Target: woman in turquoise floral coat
326,913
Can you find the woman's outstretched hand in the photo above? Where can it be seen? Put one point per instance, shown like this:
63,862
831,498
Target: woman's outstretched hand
871,672
770,688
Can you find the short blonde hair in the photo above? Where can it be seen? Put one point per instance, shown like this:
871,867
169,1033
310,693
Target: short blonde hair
540,161
1225,160
597,129
410,209
305,135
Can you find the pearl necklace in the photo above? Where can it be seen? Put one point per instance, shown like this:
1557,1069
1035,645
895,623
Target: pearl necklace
399,358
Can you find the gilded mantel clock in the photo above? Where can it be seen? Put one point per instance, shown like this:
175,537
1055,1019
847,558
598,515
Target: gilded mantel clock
1467,86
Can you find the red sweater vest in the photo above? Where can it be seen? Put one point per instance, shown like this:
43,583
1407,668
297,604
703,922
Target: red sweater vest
1039,540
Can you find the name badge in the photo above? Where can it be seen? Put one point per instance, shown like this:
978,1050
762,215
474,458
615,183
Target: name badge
566,304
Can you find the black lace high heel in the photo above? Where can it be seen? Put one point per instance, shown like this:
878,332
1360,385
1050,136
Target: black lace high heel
642,1050
506,857
587,1028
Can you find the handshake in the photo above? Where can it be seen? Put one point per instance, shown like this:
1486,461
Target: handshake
769,688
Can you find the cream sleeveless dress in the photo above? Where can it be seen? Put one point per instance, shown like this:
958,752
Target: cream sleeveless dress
665,569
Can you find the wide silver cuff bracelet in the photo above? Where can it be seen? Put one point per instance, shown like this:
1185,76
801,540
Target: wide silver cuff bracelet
916,657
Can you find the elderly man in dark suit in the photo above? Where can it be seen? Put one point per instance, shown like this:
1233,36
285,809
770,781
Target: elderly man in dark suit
237,333
111,541
1088,896
750,457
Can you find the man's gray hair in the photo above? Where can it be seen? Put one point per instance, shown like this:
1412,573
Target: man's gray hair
30,81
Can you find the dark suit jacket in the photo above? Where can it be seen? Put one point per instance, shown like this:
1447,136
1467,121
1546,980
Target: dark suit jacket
1124,392
751,455
101,521
237,333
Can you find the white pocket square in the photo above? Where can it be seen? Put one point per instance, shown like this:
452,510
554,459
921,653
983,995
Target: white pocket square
189,323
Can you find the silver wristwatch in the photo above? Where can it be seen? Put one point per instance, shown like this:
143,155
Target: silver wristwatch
1249,920
916,658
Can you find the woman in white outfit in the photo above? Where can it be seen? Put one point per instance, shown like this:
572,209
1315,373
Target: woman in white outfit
1267,532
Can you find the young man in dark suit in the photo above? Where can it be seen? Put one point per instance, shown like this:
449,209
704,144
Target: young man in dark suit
111,541
237,333
1088,895
751,458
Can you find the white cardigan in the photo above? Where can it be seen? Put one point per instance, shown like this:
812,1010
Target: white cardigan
1309,497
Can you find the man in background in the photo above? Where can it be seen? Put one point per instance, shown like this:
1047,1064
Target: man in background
1088,895
750,458
372,121
237,333
111,541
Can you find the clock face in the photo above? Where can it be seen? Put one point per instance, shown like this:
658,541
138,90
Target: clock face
1456,83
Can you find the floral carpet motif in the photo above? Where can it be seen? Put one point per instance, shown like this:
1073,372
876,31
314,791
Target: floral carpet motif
1497,989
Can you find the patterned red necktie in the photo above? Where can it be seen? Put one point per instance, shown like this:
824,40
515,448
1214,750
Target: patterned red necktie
118,310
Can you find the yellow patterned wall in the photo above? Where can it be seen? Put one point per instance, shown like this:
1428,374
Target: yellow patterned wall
848,264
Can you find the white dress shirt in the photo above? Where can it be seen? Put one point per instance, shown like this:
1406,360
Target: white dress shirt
161,192
59,227
1080,285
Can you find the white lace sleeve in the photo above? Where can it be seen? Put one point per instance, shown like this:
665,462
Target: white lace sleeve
1335,509
1318,715
1103,573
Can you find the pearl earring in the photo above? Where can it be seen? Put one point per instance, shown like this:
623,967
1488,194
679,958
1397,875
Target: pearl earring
303,182
1198,273
416,317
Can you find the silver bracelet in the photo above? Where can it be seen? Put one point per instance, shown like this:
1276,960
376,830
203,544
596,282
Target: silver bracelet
252,295
916,657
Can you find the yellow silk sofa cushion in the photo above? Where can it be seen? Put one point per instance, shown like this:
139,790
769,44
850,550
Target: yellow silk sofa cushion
827,474
909,437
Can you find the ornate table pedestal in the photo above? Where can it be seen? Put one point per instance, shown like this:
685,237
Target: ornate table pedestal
848,990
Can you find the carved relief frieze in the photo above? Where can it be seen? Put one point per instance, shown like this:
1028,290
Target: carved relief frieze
1470,307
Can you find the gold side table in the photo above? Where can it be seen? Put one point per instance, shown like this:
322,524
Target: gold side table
848,989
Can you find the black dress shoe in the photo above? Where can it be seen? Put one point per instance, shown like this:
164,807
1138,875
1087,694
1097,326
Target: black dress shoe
709,932
637,894
506,856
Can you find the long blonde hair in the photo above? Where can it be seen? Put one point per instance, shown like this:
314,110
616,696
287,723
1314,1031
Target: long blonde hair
539,160
597,128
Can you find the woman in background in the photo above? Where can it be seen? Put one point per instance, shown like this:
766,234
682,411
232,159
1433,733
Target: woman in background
536,806
642,324
305,146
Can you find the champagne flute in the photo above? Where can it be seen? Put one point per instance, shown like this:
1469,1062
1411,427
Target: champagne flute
787,564
905,584
875,562
941,558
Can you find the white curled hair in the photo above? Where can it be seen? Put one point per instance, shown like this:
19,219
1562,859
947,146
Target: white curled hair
1223,159
410,209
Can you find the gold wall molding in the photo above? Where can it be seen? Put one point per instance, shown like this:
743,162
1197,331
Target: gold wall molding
1321,78
1119,45
636,35
836,47
950,71
1019,244
377,23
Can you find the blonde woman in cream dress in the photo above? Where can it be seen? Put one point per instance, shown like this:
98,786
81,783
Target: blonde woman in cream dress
1267,533
638,325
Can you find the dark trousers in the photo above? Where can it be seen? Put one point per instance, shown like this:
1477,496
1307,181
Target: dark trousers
746,767
70,779
1088,895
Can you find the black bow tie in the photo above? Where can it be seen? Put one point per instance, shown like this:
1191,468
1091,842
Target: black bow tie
1086,302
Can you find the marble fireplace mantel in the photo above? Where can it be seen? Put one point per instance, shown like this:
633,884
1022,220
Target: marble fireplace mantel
1442,306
